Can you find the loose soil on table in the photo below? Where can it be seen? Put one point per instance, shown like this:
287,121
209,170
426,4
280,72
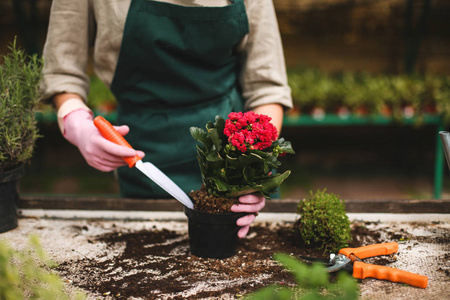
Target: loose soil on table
156,264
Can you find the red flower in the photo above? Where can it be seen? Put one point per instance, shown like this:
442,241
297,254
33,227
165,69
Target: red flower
250,131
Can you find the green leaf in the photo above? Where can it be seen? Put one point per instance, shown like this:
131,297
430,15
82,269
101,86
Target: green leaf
286,146
318,277
220,173
221,185
245,160
272,292
249,174
219,124
232,161
270,185
215,138
200,135
201,151
297,268
214,157
209,125
237,191
347,286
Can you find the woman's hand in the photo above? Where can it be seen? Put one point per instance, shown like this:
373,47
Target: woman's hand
249,203
79,129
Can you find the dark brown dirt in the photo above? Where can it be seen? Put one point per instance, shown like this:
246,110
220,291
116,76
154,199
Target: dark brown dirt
157,264
205,202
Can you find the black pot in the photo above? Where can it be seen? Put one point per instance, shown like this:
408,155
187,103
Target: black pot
9,198
212,235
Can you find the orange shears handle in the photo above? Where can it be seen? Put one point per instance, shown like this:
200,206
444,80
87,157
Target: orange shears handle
371,250
362,270
112,135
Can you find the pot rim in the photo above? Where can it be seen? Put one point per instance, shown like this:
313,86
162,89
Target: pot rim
222,218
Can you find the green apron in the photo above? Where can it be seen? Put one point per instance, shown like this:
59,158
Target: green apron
177,68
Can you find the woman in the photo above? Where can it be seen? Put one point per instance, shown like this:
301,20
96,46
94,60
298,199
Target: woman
171,64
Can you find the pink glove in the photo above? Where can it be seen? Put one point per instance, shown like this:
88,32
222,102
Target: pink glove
251,204
79,129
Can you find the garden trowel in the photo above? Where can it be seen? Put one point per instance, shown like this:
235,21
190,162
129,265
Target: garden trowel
150,170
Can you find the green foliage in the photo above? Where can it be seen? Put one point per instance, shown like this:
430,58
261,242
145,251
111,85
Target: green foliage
313,283
99,95
20,76
228,173
323,222
24,274
376,93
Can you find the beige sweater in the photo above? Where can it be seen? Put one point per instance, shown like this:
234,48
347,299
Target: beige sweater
84,30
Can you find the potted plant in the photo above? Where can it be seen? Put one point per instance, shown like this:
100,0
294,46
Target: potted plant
20,77
237,156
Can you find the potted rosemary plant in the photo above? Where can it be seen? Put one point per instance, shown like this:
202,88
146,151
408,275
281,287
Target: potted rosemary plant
20,77
237,156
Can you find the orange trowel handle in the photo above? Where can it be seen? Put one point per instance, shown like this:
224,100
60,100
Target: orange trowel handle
371,250
362,270
112,135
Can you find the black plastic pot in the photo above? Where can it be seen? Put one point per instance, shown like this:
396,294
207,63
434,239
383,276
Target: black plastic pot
212,235
9,198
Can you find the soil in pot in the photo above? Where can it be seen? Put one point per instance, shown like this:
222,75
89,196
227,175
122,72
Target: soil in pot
203,201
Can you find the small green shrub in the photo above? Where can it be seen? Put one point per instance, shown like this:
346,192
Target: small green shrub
25,275
323,223
313,283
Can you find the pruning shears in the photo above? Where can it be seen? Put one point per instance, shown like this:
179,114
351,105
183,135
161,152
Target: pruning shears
351,259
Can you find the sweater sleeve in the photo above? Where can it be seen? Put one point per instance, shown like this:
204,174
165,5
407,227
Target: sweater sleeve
66,48
263,75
